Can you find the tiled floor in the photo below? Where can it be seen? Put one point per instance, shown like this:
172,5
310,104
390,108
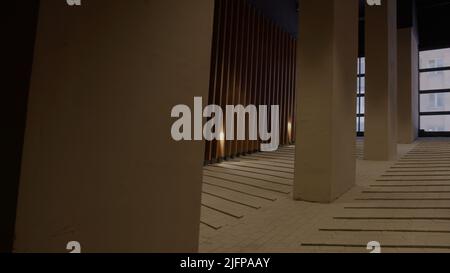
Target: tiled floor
404,205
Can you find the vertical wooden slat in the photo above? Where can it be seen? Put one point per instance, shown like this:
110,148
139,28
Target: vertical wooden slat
241,83
244,68
236,70
215,56
286,84
250,68
277,90
274,90
284,89
226,70
268,65
268,100
231,69
280,83
294,111
288,101
276,71
257,70
222,36
259,91
273,73
290,87
263,68
253,62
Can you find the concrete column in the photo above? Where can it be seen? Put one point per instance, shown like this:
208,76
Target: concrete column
408,86
99,164
325,141
381,81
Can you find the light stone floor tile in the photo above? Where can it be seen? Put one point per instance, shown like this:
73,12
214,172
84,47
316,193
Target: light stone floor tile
283,225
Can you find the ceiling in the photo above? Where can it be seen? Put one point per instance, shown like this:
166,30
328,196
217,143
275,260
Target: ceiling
431,16
433,23
282,12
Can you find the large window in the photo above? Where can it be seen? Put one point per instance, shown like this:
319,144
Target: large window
435,91
360,100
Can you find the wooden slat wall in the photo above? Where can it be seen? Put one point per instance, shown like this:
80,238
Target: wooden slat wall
253,62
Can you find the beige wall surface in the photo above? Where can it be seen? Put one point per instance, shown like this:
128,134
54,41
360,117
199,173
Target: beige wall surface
99,164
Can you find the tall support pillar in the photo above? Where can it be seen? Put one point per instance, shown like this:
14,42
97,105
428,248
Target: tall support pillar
99,164
381,81
325,141
408,74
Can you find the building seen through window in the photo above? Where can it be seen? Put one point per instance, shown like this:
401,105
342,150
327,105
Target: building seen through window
360,100
435,90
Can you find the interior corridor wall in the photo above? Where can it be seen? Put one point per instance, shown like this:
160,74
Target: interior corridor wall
253,63
99,164
18,32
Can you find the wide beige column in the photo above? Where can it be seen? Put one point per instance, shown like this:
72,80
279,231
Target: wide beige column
408,85
381,81
99,165
325,142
